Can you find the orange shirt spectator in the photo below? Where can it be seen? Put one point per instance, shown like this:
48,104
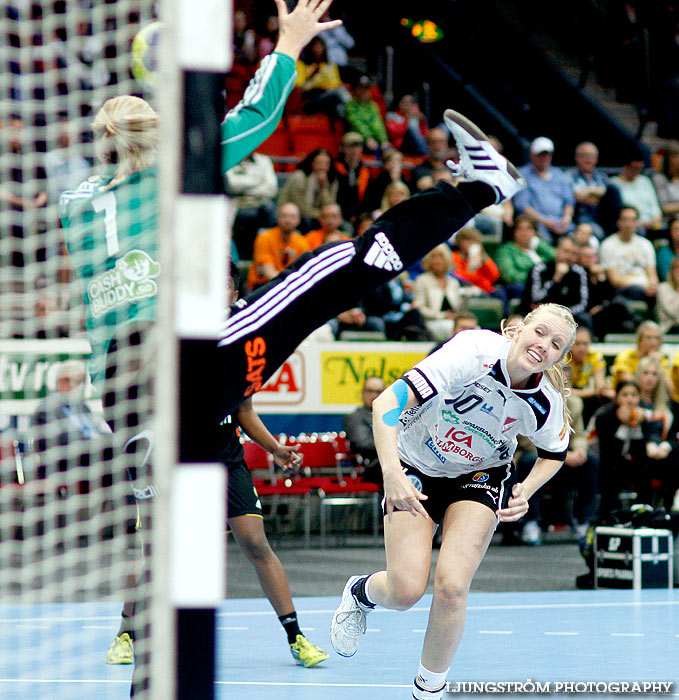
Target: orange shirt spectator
330,219
276,248
471,263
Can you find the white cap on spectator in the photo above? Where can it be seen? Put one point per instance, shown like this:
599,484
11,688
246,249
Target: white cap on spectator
542,145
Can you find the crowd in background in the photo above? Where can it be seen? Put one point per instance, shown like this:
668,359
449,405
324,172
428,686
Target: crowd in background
603,243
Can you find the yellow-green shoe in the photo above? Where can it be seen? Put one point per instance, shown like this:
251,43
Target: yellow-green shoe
305,653
121,650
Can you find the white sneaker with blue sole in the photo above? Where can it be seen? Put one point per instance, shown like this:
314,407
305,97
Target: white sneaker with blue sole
479,160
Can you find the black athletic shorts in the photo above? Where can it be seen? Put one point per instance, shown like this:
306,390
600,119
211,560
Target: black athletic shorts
491,487
243,498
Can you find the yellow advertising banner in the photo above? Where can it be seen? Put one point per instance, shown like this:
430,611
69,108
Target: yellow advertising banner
343,372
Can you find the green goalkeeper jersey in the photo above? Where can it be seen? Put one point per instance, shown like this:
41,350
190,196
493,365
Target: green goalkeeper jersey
112,242
111,232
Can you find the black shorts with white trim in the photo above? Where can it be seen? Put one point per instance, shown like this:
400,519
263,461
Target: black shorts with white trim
490,487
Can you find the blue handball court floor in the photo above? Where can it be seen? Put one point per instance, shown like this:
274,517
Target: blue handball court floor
598,637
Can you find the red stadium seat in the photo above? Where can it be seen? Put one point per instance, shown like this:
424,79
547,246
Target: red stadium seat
312,131
278,490
323,457
278,144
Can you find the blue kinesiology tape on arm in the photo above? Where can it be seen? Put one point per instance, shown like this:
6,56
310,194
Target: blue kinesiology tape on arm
400,390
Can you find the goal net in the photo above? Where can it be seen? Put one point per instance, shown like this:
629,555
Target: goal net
78,283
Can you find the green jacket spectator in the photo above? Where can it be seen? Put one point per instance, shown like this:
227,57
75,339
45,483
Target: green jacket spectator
362,115
515,259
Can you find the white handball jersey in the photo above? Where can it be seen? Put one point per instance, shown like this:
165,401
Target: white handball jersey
468,417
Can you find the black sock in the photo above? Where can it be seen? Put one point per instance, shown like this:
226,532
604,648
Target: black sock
478,194
358,589
291,626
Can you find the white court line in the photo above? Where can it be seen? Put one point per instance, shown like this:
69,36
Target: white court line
496,632
33,627
11,620
377,629
418,630
537,606
563,634
628,634
62,680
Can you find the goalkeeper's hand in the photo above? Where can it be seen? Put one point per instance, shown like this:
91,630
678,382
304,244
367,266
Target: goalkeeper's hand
299,27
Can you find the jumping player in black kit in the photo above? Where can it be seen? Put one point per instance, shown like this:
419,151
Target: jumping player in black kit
265,327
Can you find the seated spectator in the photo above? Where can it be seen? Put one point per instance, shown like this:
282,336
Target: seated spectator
666,183
276,248
313,185
407,127
402,319
648,344
492,220
320,82
629,259
666,253
268,37
363,221
471,263
464,321
329,232
578,474
588,373
392,171
64,426
608,310
617,437
437,293
636,190
65,168
515,258
353,177
252,187
657,420
358,427
362,115
548,200
438,151
356,319
559,281
667,305
337,42
584,235
591,188
244,41
394,193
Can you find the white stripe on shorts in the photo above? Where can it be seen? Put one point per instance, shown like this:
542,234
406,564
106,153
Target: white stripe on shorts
502,486
285,293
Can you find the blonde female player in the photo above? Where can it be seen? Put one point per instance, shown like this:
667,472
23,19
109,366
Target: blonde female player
445,435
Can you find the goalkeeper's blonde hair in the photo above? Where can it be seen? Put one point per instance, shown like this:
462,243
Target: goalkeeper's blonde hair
555,373
126,134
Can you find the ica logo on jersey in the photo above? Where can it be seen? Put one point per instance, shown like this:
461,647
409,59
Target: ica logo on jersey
255,352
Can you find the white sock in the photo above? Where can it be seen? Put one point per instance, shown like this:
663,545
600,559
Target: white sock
366,588
429,685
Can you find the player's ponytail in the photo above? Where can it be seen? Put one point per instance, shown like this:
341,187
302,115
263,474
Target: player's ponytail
555,374
126,133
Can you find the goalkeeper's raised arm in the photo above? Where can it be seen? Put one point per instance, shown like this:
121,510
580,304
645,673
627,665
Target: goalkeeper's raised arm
257,115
